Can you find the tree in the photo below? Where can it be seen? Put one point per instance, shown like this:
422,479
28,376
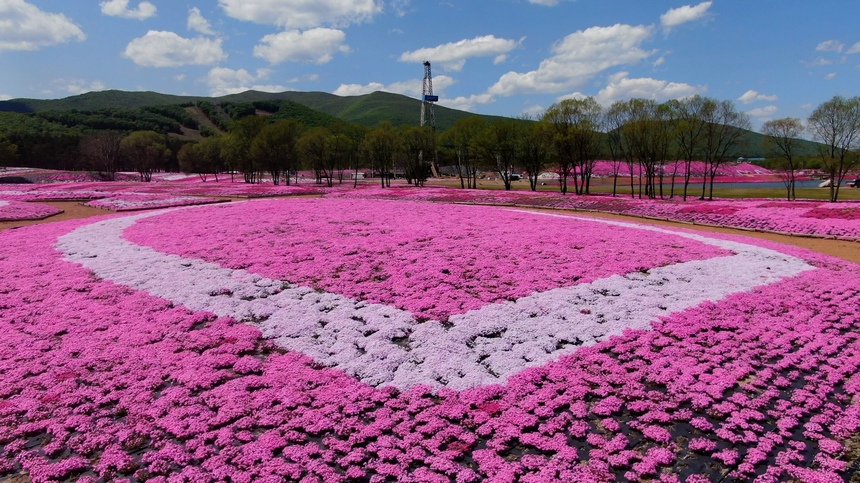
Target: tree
724,131
8,153
210,155
103,153
418,144
689,127
236,147
380,146
274,149
462,137
499,142
835,124
781,141
576,139
641,133
339,150
534,149
619,142
314,146
147,151
190,160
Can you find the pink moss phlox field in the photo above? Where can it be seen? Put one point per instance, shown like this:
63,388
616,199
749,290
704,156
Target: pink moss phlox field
99,382
17,210
430,260
800,217
145,201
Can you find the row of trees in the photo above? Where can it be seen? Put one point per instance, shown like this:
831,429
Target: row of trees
255,146
640,136
835,125
143,151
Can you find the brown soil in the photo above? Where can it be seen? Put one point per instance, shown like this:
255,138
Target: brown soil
846,250
71,210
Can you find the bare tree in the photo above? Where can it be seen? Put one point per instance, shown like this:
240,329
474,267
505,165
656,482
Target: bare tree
499,144
724,131
689,129
534,149
462,137
103,153
781,141
835,124
576,138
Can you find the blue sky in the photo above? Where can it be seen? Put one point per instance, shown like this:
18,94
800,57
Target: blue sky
775,58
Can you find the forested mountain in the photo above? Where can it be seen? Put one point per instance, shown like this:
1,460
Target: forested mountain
368,109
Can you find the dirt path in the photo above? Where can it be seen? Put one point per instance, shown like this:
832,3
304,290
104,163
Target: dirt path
846,250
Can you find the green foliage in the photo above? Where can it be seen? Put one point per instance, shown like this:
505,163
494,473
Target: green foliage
147,151
176,112
308,117
238,110
274,149
114,120
269,106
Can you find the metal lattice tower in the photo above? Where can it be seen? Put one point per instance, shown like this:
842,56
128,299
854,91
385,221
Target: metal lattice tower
427,98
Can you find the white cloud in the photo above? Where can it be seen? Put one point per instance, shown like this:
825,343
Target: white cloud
119,8
818,62
316,45
167,49
5,97
534,112
681,15
223,81
198,23
302,13
621,87
579,57
830,46
79,86
24,27
763,112
830,76
751,96
468,103
304,78
453,55
400,7
411,88
854,49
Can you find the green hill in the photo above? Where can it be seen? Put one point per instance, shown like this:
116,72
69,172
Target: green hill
368,109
